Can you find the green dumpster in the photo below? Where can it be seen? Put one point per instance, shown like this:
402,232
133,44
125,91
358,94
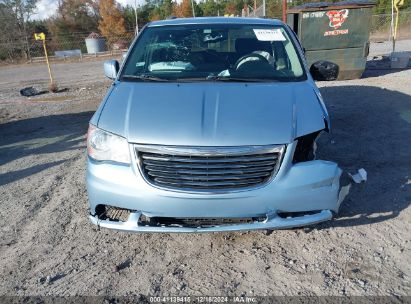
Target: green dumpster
337,32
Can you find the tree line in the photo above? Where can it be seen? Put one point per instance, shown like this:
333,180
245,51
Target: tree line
111,20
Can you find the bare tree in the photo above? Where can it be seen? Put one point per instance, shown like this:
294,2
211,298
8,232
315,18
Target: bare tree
14,15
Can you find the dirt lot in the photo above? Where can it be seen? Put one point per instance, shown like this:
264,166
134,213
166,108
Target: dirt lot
48,246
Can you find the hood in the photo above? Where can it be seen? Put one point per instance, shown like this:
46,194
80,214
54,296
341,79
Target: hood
212,113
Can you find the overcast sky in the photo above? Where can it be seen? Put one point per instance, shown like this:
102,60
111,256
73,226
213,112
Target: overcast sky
46,8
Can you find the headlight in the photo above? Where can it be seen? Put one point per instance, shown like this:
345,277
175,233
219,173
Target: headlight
102,145
305,149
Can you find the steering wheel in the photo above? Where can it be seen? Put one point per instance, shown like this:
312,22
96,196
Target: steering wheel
252,55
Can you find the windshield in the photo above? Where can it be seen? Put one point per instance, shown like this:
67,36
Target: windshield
214,52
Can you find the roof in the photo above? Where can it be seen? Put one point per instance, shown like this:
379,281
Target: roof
318,6
216,20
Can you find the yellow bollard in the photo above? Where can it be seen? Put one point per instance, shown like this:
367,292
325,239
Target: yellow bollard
397,4
41,36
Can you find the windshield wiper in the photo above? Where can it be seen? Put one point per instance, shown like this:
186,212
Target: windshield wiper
144,77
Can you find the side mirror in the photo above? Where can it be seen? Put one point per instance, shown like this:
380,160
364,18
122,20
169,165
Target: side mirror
324,70
111,68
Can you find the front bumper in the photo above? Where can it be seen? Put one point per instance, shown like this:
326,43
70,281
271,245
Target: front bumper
273,221
303,187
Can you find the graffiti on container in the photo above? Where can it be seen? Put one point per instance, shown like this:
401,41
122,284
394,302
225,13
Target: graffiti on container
336,32
313,15
337,18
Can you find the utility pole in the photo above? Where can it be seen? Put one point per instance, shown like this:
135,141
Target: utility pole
264,9
135,12
192,7
284,11
392,21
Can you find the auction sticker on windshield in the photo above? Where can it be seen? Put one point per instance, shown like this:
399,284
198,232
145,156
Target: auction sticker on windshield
269,34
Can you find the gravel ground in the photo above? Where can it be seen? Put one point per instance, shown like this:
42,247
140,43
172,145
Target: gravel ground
48,246
385,47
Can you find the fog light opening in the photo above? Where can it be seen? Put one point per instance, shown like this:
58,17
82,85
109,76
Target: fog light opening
111,213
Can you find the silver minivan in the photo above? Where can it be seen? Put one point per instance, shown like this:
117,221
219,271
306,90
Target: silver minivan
210,125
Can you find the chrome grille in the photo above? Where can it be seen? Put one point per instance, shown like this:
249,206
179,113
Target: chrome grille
208,168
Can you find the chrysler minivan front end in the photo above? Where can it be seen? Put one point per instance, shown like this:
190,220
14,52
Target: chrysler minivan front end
210,125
